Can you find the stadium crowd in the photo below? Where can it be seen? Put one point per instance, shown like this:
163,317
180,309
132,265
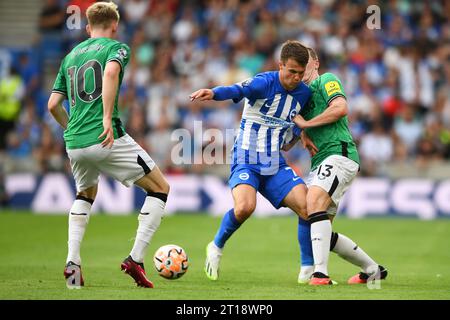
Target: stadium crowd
397,78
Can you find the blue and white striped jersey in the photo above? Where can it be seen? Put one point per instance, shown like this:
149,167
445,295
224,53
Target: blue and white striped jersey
266,118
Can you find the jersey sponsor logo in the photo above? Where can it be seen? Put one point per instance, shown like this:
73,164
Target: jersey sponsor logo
332,87
275,122
244,176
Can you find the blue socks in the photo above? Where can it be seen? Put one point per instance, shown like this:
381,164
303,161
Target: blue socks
228,226
304,240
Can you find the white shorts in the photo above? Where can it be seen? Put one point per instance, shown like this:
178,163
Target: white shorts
334,175
126,162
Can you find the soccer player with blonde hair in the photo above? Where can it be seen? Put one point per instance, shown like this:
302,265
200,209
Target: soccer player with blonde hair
96,142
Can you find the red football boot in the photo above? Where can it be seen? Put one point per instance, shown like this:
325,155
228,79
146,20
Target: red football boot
320,279
137,272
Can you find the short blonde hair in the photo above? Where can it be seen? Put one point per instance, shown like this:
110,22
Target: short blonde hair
102,14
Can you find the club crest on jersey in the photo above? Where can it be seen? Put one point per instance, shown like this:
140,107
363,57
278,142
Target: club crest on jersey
122,53
292,114
244,176
332,87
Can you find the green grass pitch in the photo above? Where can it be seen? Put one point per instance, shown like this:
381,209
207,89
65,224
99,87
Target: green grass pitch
260,260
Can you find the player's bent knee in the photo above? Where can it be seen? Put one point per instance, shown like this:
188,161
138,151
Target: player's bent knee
154,182
164,187
160,188
317,199
243,211
317,203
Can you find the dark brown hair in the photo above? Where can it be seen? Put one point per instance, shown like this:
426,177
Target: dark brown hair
293,49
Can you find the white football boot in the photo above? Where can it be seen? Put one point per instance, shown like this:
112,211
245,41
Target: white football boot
213,255
305,274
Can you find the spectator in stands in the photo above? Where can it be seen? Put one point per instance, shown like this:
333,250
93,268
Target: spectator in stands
160,135
5,62
29,72
52,17
50,153
51,23
22,140
12,91
376,150
427,153
135,11
409,127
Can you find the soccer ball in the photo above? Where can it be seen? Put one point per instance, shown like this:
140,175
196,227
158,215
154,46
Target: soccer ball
171,261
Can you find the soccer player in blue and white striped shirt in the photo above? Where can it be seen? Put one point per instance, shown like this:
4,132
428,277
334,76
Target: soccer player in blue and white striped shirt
272,99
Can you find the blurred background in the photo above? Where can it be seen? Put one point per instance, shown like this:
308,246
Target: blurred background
396,78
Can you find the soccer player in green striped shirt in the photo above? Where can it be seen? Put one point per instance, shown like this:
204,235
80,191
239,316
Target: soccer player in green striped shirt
96,142
334,165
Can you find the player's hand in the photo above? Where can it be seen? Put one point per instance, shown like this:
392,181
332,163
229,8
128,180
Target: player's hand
202,95
108,133
308,144
300,122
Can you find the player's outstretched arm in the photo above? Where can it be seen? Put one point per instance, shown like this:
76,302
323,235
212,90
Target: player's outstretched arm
335,110
57,110
202,95
110,87
251,88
